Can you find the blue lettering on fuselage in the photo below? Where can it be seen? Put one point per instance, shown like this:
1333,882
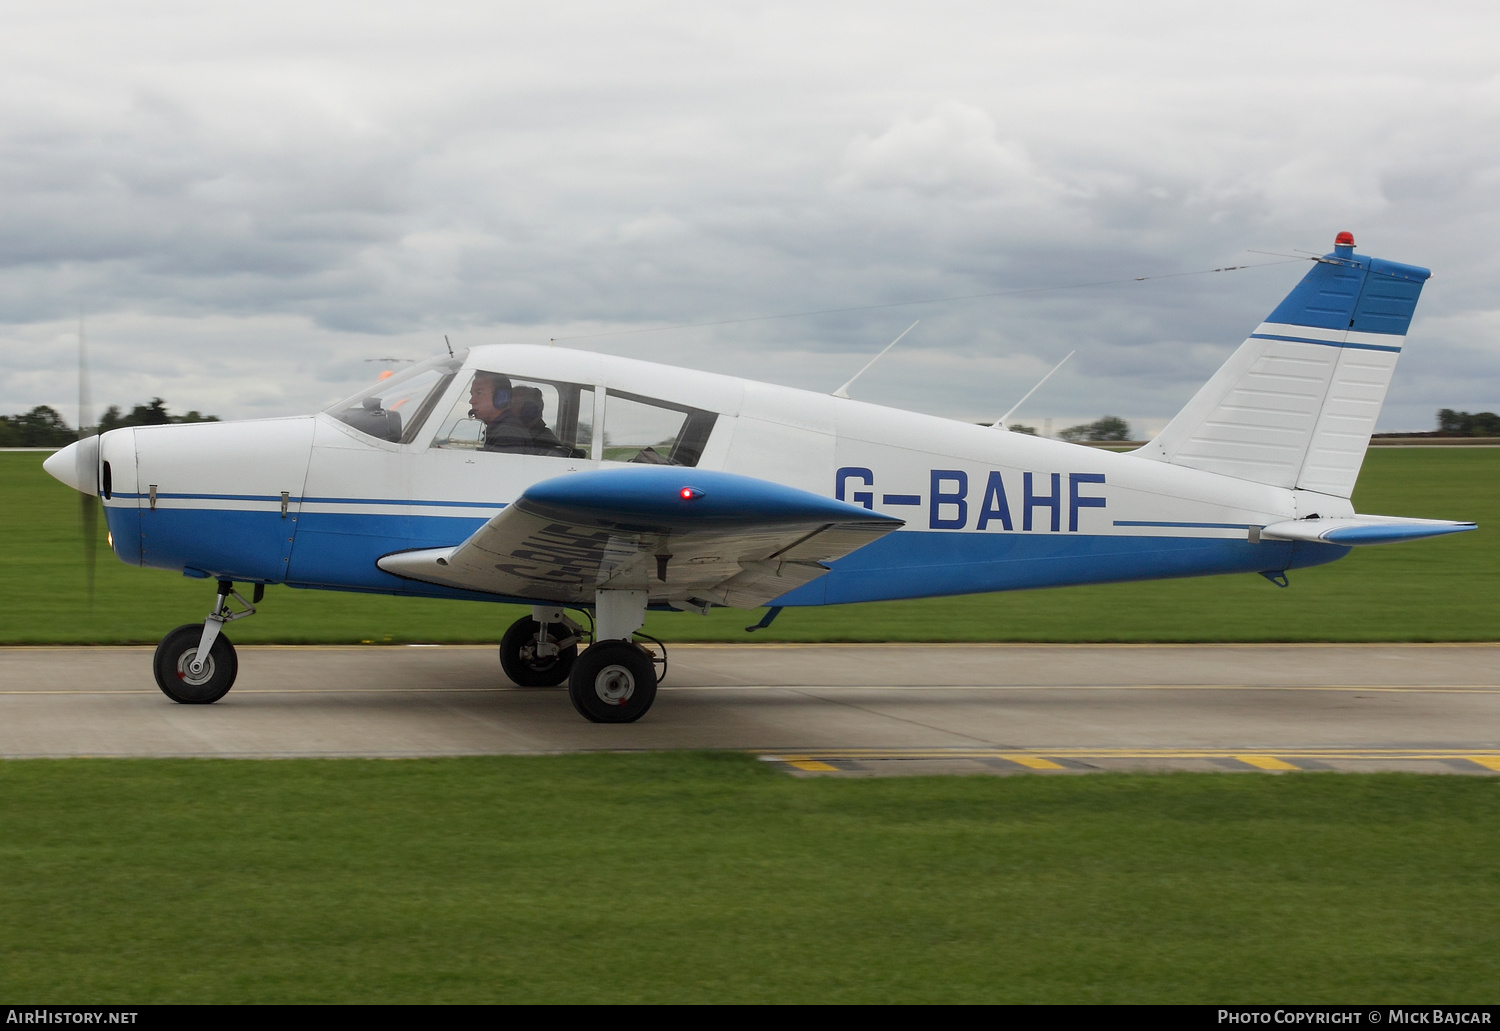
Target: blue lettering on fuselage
948,498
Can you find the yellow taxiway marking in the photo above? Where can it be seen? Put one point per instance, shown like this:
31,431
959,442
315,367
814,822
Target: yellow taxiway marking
1266,762
811,766
1478,689
1032,762
1276,759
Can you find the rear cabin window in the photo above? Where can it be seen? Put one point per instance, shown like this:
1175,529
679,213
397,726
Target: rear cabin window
651,432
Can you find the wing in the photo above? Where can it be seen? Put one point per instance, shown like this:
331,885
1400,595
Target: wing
690,538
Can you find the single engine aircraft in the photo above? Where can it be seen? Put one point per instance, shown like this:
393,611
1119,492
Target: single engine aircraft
574,481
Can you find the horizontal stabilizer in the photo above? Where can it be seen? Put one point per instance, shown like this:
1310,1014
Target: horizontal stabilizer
1362,529
688,537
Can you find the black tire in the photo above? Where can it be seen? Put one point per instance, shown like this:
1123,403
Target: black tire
519,659
177,651
613,682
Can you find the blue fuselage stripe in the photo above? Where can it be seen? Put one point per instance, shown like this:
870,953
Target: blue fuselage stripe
276,500
1193,526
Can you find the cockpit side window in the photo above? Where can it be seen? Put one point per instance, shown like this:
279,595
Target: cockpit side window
644,430
520,415
396,406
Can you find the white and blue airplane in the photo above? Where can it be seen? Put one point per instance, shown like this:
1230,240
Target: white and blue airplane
576,481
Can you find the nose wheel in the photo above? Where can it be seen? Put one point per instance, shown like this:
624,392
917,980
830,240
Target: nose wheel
176,658
195,664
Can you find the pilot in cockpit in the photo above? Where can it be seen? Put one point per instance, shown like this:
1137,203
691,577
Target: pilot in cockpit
491,402
513,418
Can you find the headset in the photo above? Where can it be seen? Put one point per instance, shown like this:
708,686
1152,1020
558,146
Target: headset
501,396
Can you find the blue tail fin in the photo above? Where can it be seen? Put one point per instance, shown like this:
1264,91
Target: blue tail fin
1296,404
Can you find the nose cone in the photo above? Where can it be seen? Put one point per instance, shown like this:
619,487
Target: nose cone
77,465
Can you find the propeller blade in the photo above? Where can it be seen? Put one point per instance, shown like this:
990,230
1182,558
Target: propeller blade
87,468
89,513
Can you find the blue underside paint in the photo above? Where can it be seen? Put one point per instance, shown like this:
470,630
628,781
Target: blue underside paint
1368,295
338,552
917,564
125,532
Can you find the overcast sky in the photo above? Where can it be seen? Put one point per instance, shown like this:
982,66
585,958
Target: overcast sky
250,204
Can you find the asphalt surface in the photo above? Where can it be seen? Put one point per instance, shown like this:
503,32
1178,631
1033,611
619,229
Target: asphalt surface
852,710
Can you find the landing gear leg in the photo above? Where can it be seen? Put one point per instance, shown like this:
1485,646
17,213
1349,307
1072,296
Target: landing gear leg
196,665
614,680
539,650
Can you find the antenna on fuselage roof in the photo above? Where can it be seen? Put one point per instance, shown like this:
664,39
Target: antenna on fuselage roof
843,391
450,346
1000,422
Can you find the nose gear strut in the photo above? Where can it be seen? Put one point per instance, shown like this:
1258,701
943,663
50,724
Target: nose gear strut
197,666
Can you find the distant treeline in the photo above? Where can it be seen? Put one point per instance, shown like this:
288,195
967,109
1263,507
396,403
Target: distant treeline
43,427
1457,424
1467,424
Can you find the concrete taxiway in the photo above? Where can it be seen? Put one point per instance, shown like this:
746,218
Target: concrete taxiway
818,709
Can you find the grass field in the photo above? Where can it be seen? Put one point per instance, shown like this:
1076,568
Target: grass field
689,878
1440,590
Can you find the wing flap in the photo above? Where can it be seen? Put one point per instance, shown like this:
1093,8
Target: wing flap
675,533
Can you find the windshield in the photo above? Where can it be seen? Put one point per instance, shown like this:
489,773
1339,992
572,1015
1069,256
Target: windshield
397,404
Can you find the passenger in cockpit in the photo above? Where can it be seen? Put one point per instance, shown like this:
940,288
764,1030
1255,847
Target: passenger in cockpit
527,402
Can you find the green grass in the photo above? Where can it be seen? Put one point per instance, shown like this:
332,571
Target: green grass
1439,590
691,877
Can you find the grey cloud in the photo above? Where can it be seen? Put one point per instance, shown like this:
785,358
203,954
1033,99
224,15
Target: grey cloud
356,179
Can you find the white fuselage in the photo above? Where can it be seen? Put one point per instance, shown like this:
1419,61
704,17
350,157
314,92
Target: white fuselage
314,502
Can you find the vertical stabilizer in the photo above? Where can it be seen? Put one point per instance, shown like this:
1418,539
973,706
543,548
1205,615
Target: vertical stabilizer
1296,404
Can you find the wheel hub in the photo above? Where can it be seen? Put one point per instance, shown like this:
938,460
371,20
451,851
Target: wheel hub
614,685
185,668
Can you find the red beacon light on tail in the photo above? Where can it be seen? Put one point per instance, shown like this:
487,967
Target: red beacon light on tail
1343,244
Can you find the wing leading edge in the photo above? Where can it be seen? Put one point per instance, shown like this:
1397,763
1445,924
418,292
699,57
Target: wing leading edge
690,538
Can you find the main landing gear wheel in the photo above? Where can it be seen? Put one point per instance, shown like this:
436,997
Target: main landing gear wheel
519,658
174,661
613,682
